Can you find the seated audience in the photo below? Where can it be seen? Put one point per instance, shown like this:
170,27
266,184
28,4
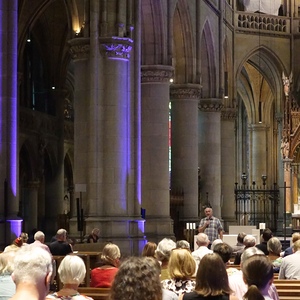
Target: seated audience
149,249
137,279
71,273
214,243
32,273
202,242
104,275
225,252
16,245
94,236
183,244
7,285
39,241
181,268
162,253
266,235
258,275
236,281
290,265
249,241
274,247
239,247
289,250
60,246
211,280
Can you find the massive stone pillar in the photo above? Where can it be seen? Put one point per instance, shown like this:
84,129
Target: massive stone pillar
9,121
32,208
210,153
184,146
155,145
228,156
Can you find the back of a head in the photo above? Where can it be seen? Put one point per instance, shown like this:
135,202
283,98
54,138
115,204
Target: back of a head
137,278
164,248
295,237
61,233
247,253
202,239
211,267
31,265
96,231
7,262
39,236
72,270
224,250
274,245
267,234
215,242
257,273
296,246
149,249
249,240
183,244
181,264
240,237
110,253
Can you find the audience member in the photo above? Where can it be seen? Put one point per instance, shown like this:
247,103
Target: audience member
236,281
149,249
32,273
214,243
39,241
181,268
258,275
202,242
94,236
137,278
266,235
71,273
289,250
103,276
16,245
183,244
211,280
225,252
239,247
24,237
290,266
163,252
60,246
249,241
274,247
7,286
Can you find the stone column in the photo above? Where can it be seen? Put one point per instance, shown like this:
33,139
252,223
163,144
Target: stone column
228,157
9,165
155,155
259,154
184,146
210,153
32,222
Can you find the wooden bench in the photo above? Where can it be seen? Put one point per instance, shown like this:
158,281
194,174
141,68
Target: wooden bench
95,293
287,289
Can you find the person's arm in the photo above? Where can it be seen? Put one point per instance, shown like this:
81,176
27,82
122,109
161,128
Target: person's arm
221,234
203,225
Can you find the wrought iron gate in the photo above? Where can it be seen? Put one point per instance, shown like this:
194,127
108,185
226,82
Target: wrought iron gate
256,205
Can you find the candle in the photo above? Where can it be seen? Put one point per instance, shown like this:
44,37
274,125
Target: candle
262,225
187,225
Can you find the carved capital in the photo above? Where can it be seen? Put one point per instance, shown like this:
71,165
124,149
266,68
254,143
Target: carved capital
228,114
79,48
185,91
115,47
157,73
210,105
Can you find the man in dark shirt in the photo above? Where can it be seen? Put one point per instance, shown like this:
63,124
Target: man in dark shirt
266,235
60,246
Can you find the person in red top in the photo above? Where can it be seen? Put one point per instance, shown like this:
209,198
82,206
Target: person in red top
104,275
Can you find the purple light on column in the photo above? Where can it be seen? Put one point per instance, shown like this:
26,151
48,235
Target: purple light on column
15,226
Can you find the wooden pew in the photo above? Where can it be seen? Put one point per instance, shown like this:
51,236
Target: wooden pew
287,289
95,293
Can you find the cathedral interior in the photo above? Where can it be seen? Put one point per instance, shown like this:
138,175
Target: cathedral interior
131,116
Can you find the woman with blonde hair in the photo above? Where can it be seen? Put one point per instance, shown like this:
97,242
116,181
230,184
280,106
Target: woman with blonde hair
103,275
71,273
211,280
181,268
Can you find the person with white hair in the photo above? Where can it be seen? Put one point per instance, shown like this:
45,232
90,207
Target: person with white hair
163,252
249,241
202,242
7,286
71,272
39,241
32,273
60,246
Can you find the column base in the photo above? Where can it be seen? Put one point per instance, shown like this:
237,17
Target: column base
9,230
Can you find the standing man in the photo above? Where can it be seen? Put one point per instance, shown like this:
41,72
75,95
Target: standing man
211,226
